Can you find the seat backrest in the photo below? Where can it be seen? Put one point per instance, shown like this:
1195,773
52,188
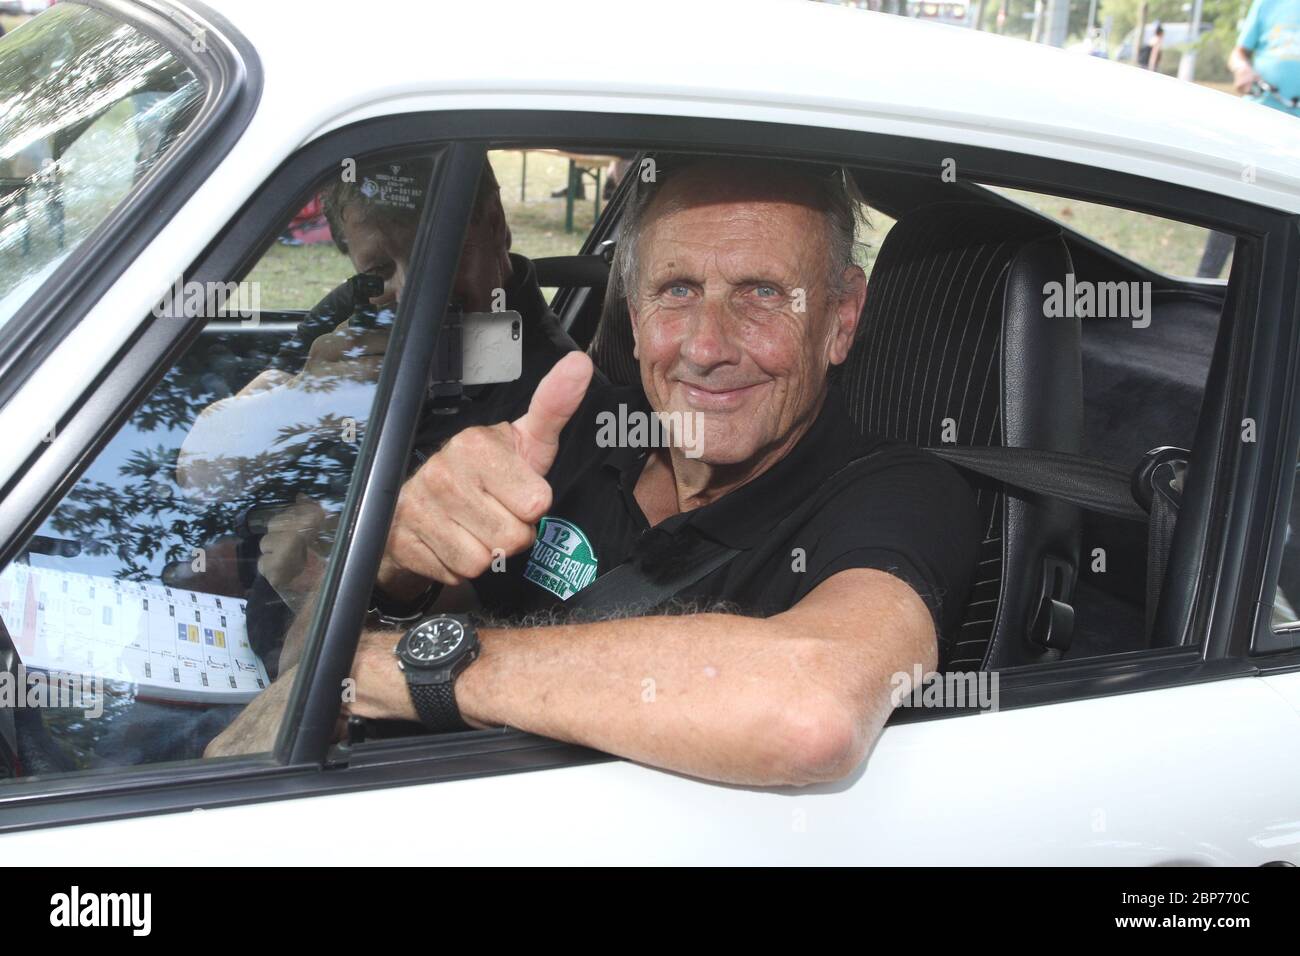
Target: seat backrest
954,347
612,345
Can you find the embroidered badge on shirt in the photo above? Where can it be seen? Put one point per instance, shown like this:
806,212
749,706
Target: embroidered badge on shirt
562,560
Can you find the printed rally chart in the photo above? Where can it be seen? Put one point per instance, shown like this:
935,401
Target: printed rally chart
172,644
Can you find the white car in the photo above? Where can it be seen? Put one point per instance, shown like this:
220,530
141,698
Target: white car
1115,720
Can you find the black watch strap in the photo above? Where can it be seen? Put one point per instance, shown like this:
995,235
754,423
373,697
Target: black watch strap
435,704
400,614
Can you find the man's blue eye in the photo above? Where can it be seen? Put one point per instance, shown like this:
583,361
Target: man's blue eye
766,291
678,290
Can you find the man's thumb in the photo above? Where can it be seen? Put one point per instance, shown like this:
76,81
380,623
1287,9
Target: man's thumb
558,395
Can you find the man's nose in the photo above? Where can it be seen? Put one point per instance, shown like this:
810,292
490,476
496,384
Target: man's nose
708,340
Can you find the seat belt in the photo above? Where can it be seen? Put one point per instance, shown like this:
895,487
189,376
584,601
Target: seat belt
1074,479
1095,486
633,588
1085,482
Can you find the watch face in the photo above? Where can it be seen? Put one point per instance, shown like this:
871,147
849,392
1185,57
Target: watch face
435,641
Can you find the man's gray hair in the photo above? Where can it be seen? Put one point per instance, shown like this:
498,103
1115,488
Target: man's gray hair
837,195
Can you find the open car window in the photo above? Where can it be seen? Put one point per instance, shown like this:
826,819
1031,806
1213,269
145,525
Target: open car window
1163,245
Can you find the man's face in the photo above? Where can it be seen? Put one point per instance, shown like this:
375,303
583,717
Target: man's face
732,316
383,247
379,247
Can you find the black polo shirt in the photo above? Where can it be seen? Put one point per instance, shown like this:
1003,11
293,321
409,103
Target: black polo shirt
899,511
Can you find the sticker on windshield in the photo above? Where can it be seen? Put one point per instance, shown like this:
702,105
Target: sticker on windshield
562,560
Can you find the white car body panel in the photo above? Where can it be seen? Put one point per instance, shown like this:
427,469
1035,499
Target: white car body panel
1213,775
1211,778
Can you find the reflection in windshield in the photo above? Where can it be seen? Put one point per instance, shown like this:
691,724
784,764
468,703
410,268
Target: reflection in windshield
129,520
87,107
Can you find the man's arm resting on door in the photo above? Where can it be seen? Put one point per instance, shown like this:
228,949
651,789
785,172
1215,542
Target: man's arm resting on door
796,698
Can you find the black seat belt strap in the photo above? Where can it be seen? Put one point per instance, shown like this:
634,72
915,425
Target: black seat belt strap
630,589
1084,482
1160,539
1095,486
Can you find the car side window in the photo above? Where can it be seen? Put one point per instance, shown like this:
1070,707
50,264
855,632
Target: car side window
1174,248
170,586
553,198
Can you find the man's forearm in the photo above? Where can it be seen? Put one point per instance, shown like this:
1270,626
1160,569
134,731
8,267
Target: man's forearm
730,698
296,637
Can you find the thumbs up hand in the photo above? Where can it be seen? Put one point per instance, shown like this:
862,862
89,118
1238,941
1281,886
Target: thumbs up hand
483,492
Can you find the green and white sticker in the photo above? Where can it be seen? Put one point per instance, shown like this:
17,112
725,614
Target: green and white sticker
562,560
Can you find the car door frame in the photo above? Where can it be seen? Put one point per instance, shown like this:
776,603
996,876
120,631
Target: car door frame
304,763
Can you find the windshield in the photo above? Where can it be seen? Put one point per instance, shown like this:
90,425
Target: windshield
88,105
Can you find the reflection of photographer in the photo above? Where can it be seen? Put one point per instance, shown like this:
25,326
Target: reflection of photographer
335,349
294,549
268,443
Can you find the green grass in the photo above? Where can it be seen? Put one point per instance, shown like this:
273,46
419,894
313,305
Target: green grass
297,277
1165,245
537,222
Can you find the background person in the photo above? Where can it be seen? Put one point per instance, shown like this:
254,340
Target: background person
1268,49
1149,54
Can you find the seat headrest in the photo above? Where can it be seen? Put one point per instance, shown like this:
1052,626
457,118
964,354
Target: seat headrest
933,342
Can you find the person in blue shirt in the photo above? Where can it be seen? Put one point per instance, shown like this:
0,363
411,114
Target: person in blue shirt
1268,49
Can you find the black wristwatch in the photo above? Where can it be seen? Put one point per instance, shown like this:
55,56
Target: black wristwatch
432,655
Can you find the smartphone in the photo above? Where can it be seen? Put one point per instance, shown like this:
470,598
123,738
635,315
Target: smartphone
479,348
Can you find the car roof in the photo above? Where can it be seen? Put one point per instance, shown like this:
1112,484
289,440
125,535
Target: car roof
330,62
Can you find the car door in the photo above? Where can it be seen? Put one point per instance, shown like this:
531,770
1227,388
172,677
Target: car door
1123,759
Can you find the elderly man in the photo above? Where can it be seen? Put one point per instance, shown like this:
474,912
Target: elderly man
742,294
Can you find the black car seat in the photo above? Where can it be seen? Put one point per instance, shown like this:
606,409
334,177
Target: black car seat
955,347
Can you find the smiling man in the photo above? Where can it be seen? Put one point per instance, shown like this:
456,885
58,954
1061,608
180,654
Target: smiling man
743,295
803,565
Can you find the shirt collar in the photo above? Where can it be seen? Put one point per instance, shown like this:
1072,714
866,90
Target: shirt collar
742,518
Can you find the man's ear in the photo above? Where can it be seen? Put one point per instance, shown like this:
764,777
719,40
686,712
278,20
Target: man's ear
846,313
